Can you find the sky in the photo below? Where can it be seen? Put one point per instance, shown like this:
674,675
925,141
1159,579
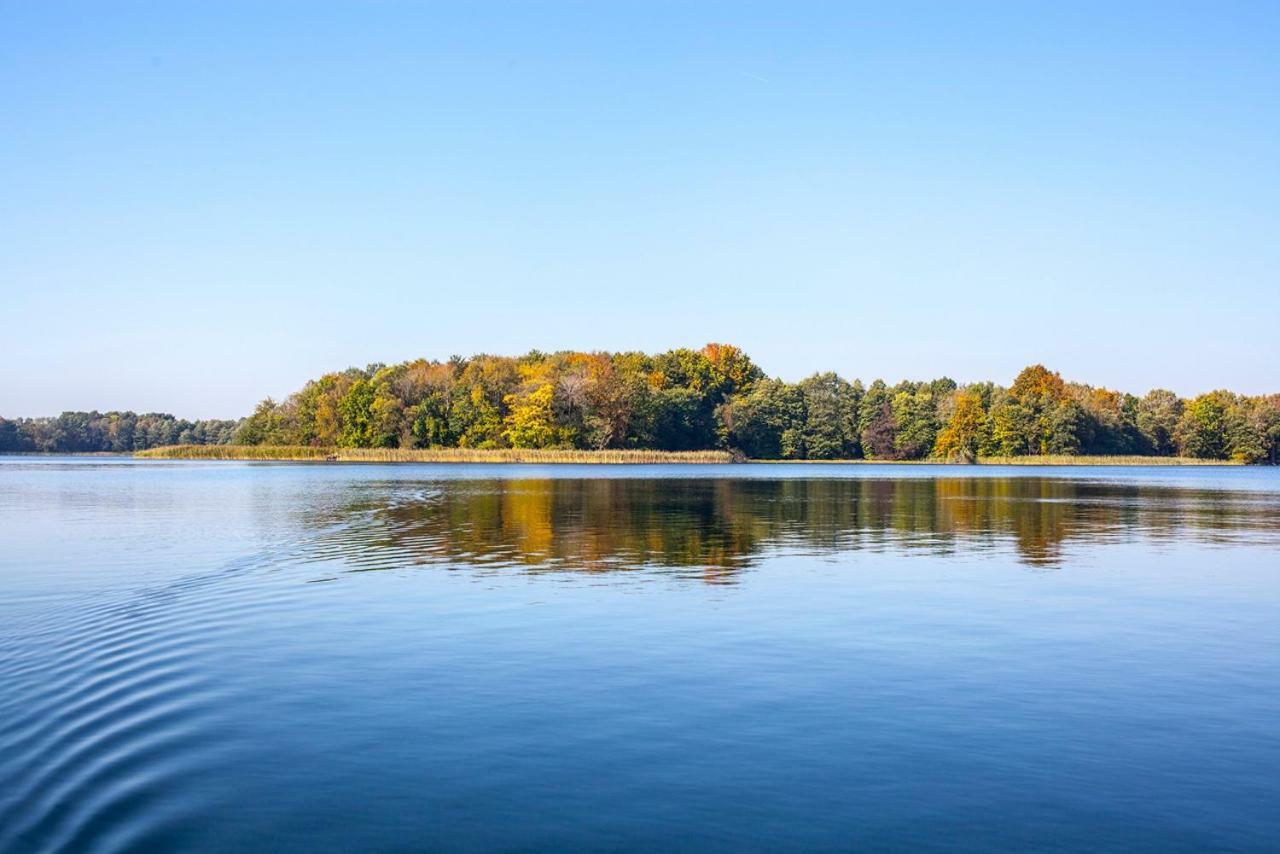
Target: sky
203,204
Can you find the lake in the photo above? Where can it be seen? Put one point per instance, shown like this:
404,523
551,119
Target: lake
318,657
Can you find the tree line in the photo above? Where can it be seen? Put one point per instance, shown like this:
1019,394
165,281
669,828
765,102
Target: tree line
120,432
684,399
717,397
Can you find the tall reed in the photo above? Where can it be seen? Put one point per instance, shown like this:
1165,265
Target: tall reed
430,455
522,455
1039,460
1070,460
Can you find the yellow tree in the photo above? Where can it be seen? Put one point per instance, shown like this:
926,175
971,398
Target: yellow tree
960,438
531,420
327,425
1040,392
1038,384
731,369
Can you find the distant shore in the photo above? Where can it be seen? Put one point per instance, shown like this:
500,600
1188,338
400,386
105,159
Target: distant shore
1034,460
430,455
516,455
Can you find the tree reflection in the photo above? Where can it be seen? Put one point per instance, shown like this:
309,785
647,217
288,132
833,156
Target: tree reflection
714,528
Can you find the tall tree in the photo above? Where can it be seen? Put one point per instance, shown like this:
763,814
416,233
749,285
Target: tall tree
965,431
1158,414
1202,430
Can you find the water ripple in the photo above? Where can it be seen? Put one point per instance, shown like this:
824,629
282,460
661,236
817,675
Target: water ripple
119,701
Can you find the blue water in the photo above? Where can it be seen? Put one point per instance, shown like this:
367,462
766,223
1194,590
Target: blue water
320,657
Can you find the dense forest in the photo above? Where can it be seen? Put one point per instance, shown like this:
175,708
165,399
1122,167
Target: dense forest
81,432
685,399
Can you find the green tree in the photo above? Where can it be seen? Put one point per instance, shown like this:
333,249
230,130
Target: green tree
915,417
765,423
1066,424
1202,429
1266,418
260,428
871,406
1157,419
678,420
1041,410
830,417
1012,429
355,411
387,417
429,422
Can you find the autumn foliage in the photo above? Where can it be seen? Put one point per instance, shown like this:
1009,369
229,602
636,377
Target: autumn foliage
715,398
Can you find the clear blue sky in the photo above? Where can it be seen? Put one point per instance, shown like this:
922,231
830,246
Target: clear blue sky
205,203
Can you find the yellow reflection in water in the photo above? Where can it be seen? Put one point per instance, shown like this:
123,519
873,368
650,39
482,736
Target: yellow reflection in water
714,528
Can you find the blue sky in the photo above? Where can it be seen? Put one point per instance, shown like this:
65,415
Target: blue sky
206,203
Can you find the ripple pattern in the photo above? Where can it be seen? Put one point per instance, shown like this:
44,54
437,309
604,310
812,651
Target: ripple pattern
122,699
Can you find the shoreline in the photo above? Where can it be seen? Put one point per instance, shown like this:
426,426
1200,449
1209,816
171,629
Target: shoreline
264,453
267,453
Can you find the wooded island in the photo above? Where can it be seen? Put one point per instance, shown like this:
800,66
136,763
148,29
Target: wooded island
714,398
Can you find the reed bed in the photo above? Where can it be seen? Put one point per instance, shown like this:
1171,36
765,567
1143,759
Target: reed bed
236,452
516,455
1040,460
1068,460
429,455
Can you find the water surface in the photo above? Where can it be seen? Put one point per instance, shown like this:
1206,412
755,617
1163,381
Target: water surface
311,657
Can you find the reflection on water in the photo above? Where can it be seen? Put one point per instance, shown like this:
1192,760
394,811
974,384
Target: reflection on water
717,527
869,663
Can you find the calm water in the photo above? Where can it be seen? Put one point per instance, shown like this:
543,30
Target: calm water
216,656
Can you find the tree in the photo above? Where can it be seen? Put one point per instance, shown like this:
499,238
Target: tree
687,399
916,422
1106,421
1066,424
961,438
879,436
731,370
1048,421
13,439
1037,384
1253,429
830,406
871,406
678,421
261,427
531,422
766,423
429,422
473,418
355,410
1266,415
387,423
1202,430
1157,419
480,390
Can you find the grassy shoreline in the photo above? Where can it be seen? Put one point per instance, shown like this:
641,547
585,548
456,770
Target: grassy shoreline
1063,460
1045,460
511,455
427,455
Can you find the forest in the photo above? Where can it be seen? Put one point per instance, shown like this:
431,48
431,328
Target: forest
109,432
684,399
